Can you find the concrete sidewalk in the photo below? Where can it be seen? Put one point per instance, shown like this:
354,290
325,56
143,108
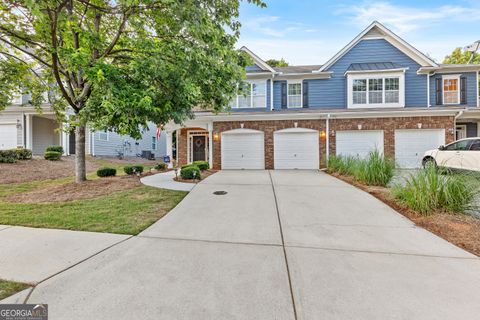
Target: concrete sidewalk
278,245
165,180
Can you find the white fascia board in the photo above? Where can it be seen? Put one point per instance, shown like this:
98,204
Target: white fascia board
258,75
258,60
449,69
394,40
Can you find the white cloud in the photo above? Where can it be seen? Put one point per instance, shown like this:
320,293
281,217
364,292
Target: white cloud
273,26
403,19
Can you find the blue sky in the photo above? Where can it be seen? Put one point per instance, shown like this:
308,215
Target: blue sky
312,31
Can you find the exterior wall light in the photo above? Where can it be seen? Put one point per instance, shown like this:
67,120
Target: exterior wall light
295,124
323,134
216,136
241,125
359,126
19,124
419,125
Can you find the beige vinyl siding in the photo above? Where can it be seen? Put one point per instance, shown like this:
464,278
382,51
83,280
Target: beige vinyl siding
44,134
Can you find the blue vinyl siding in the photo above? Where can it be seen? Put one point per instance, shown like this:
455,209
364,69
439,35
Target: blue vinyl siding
471,88
254,68
332,93
133,147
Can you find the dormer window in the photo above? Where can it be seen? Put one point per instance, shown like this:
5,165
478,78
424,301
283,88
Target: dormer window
253,94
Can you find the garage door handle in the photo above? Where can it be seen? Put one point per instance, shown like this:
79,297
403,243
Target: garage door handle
294,154
242,155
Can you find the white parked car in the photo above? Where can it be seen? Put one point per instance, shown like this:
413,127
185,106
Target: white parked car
462,154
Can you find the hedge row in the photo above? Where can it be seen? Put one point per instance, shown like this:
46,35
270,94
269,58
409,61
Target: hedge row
12,155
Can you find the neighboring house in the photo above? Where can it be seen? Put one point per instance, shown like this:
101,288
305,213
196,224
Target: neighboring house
378,92
22,126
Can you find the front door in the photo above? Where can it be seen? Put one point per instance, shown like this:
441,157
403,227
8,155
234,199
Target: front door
199,148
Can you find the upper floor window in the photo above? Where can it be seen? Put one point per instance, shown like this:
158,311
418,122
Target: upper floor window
451,91
103,135
253,94
294,96
375,90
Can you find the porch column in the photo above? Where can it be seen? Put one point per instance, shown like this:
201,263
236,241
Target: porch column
64,142
169,136
28,131
210,144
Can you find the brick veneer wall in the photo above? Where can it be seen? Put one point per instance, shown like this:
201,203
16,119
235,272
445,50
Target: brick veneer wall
182,136
388,125
268,127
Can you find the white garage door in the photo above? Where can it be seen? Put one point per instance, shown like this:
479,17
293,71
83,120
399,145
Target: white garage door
243,149
296,148
410,145
358,143
8,136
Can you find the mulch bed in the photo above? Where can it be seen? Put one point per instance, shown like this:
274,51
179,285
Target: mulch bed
461,230
205,174
76,191
39,169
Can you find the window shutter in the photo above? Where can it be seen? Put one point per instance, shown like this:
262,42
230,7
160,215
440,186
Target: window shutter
463,90
305,94
438,90
284,95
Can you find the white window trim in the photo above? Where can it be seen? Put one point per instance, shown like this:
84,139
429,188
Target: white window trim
250,82
356,76
103,132
190,136
448,77
301,93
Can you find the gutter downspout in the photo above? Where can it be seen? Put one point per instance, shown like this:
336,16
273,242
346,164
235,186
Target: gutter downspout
271,92
460,113
327,139
92,143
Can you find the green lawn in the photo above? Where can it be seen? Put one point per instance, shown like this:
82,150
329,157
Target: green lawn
8,288
126,212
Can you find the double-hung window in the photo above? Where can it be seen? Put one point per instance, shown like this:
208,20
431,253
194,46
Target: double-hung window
103,135
252,94
451,89
375,91
294,95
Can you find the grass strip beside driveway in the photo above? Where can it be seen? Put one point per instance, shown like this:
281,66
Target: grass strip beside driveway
126,212
8,288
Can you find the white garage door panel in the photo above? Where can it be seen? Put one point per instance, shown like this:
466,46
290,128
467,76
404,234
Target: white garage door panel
243,151
410,145
8,136
358,143
296,150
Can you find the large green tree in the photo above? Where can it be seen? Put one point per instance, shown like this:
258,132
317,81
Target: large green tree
116,65
277,63
458,56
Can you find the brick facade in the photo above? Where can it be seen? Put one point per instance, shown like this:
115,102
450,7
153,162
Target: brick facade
388,125
268,127
182,141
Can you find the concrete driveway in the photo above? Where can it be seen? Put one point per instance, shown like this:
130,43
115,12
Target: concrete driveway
278,245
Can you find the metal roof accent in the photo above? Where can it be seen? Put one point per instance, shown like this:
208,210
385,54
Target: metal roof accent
374,66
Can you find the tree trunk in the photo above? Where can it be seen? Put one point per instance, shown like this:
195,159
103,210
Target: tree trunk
80,169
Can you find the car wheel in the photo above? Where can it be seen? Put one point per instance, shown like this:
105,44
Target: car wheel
429,161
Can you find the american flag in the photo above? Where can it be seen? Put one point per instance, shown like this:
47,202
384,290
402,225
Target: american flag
159,130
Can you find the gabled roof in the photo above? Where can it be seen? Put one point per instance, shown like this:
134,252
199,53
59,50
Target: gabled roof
376,29
258,61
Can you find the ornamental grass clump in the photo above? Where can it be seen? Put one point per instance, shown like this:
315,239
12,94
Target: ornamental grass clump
428,191
375,170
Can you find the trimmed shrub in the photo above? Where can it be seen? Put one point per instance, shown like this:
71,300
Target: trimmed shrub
133,169
202,165
23,154
8,156
107,172
160,166
429,190
343,165
52,155
55,148
189,171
